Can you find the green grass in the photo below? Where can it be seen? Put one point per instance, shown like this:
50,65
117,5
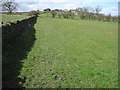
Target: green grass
7,18
72,53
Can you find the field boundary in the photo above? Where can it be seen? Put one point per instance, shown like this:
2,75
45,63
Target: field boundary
11,30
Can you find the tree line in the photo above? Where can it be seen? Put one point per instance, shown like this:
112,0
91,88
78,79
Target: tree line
94,13
84,13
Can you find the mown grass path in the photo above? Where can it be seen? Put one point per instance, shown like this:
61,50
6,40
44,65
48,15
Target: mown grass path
72,53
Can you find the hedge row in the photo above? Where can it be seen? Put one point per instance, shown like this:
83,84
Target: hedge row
13,29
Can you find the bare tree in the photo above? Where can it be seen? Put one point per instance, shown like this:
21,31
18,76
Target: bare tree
98,9
86,9
9,6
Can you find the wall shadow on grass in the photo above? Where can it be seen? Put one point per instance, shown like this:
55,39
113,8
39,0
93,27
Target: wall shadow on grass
13,55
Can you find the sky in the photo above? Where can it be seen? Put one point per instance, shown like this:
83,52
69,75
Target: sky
108,6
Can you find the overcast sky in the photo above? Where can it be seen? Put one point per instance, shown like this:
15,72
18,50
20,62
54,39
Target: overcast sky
108,6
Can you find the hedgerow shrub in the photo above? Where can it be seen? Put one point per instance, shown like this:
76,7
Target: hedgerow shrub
53,14
33,13
68,15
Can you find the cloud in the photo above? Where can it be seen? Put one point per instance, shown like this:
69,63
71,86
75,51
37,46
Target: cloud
36,6
110,10
70,6
43,1
61,1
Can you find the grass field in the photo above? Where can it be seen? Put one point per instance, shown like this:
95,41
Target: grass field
7,18
72,53
68,53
